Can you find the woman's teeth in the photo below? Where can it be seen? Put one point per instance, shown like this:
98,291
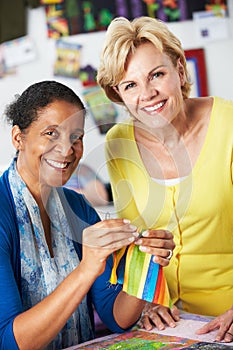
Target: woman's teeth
57,164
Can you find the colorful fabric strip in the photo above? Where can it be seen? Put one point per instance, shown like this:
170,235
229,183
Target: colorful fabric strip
141,277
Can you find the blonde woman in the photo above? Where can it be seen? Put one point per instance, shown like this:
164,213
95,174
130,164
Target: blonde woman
170,166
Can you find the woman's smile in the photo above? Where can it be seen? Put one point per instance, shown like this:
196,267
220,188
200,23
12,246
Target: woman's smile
58,165
155,108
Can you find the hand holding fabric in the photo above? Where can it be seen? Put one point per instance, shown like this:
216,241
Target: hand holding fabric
103,238
137,269
159,243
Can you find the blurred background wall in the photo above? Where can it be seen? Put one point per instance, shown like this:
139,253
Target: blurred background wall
218,55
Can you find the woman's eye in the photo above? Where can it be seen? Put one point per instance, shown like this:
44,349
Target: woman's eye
156,75
52,133
129,86
75,138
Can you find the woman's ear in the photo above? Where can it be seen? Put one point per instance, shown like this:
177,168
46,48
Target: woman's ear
17,138
115,89
117,93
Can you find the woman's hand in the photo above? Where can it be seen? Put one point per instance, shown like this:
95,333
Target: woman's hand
154,315
224,323
158,243
102,239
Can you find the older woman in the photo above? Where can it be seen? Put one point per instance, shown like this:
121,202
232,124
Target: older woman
46,266
170,166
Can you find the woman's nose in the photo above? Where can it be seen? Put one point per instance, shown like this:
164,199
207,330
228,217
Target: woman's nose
64,147
147,92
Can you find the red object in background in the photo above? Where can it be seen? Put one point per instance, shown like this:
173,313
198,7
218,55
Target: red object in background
198,57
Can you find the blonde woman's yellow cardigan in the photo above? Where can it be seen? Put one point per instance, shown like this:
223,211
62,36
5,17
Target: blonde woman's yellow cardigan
198,211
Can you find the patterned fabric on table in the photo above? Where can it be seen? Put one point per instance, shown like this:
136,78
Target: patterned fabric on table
140,276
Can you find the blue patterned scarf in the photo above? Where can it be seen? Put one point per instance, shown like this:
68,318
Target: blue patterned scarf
41,274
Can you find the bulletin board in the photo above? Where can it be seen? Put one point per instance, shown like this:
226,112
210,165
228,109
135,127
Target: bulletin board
69,17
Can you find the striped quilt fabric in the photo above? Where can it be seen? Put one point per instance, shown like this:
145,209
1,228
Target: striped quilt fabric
140,276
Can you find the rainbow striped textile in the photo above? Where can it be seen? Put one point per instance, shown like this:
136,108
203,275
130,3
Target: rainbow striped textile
140,276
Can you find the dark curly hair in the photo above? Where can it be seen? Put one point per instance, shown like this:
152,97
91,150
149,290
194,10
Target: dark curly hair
25,108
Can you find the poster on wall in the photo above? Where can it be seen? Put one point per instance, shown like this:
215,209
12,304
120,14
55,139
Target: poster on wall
18,51
102,110
70,17
67,63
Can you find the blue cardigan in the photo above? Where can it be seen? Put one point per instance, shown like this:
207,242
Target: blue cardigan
80,214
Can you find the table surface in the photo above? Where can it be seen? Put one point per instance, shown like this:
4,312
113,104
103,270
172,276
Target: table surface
181,337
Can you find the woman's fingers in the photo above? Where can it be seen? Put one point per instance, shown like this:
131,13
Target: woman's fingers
158,239
175,313
102,239
110,233
159,243
227,336
113,234
154,321
158,316
224,324
159,259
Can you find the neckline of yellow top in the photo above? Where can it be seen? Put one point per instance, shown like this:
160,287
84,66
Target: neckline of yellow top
169,182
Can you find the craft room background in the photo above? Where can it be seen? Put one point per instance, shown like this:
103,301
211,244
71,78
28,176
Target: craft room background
40,53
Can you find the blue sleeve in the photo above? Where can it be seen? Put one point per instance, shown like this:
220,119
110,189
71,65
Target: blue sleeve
103,295
10,300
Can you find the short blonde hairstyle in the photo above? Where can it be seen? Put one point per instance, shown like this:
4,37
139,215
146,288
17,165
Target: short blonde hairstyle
123,37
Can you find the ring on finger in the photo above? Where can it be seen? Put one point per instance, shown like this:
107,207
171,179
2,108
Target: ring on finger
169,255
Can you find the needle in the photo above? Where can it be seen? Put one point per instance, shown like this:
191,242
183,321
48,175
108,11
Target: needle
107,216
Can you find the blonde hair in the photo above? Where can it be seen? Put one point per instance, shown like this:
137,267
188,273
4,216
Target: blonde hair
123,37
